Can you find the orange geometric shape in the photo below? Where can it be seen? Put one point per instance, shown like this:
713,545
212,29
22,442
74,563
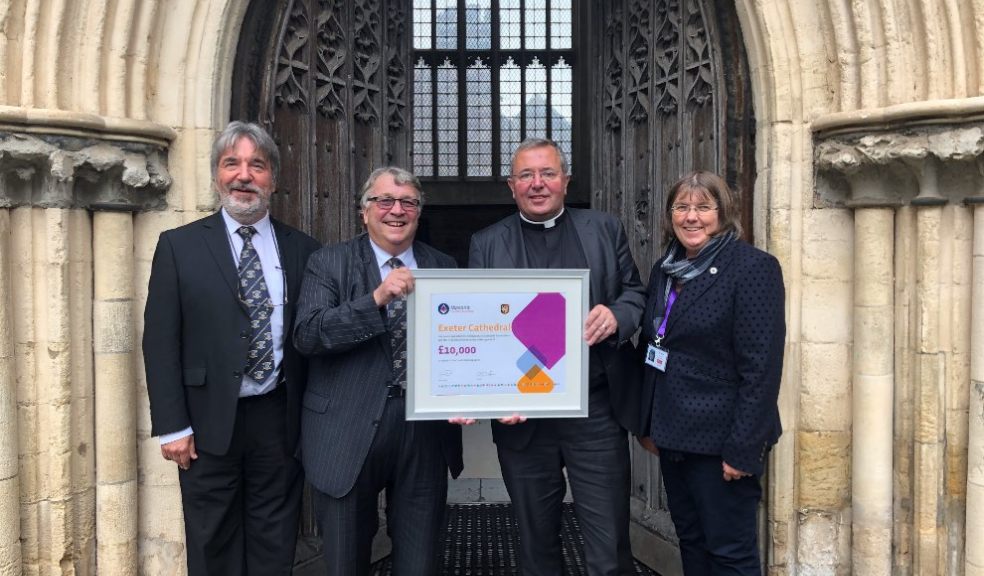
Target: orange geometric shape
535,381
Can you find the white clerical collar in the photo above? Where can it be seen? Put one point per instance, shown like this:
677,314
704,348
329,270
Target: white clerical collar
546,223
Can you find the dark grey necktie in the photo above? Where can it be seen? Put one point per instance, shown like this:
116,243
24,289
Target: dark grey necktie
396,313
254,294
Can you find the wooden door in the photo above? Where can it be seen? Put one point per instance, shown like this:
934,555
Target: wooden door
671,95
328,79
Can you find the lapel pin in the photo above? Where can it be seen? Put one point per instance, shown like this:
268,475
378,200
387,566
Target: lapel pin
714,270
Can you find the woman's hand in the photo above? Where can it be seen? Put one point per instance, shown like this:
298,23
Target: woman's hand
732,473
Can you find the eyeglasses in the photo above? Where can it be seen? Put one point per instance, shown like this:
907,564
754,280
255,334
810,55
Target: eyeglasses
527,176
386,203
686,208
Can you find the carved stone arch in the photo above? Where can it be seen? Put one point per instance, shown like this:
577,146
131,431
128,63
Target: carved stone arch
327,78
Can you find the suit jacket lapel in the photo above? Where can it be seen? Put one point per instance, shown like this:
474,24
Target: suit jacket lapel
217,240
515,245
587,235
693,290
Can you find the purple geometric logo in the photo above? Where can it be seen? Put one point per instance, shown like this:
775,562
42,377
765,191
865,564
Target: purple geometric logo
540,327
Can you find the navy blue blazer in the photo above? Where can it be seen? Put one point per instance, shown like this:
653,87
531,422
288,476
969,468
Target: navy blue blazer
725,338
614,282
346,337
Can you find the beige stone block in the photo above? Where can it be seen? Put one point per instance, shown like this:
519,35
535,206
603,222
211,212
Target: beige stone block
957,381
930,380
116,420
872,457
112,255
118,558
83,444
162,558
955,466
823,543
116,514
824,470
874,338
55,535
827,245
826,311
10,549
30,514
112,327
154,470
161,516
824,395
872,550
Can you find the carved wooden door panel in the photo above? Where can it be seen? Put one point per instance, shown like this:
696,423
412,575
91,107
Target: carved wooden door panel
328,79
672,96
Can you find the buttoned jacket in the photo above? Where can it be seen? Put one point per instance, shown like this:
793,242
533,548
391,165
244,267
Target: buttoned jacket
346,337
614,281
197,331
725,336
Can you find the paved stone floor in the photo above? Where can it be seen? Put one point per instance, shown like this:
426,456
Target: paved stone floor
481,540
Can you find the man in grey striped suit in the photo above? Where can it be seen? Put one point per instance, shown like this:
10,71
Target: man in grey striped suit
355,441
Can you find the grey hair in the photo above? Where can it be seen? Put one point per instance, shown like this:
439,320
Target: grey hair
531,143
260,138
400,176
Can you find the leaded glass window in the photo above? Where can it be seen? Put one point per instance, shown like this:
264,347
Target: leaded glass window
488,74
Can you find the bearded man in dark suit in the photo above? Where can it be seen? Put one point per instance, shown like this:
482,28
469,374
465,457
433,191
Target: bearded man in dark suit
594,451
224,380
355,439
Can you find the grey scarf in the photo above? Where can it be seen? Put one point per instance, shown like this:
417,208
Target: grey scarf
678,267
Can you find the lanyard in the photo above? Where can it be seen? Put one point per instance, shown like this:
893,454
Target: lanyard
666,316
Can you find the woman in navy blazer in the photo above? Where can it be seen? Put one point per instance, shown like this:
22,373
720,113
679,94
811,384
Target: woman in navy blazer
713,334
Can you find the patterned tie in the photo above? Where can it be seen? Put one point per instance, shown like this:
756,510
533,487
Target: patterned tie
253,292
396,312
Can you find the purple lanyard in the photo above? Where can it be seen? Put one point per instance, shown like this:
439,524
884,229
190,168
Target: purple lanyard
666,316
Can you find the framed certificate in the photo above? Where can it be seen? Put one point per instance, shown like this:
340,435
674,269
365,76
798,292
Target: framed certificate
492,343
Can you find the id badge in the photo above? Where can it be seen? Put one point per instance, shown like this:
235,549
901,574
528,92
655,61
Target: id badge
656,357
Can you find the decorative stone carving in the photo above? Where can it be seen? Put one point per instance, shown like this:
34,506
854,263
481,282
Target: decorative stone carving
925,165
69,172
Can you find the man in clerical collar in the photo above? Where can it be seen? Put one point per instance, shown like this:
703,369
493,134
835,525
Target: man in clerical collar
355,440
594,450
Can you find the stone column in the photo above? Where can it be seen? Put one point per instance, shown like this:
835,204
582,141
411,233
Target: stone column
930,388
873,390
60,195
116,435
974,563
10,549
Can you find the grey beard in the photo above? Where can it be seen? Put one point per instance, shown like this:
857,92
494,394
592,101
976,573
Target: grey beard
244,213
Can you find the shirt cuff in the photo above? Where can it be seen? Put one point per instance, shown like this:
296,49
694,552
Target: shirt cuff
165,438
